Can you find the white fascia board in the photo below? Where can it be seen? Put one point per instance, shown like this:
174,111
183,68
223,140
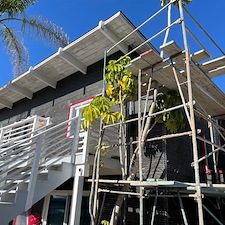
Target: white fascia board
26,93
112,37
72,61
6,103
42,77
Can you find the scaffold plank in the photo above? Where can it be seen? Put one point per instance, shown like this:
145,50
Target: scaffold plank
171,48
213,64
199,56
151,57
216,72
140,63
207,94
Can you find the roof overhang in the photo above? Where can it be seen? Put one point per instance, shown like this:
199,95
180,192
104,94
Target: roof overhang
75,57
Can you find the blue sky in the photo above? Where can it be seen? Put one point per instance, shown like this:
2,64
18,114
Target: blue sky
79,16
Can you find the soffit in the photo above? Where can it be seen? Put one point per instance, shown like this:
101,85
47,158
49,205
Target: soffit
76,56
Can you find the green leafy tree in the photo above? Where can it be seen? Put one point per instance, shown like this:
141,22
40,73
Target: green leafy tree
100,107
120,89
13,12
173,120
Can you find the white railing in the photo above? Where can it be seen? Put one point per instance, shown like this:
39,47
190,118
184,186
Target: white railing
18,131
36,151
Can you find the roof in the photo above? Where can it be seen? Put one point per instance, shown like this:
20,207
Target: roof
75,57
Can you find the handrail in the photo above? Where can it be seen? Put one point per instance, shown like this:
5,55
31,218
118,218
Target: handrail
42,149
27,120
38,132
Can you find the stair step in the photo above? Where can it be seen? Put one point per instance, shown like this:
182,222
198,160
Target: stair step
6,203
9,198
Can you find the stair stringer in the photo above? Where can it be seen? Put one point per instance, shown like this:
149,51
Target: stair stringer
54,180
8,211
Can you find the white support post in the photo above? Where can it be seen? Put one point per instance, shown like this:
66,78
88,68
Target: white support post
34,173
45,209
78,183
75,139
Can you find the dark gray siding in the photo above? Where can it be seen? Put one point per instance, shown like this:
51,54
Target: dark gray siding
179,158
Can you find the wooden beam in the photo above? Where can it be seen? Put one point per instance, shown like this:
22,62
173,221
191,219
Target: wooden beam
6,103
72,61
42,77
26,93
112,37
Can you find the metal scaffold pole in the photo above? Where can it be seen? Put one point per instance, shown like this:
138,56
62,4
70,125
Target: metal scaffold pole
141,214
198,194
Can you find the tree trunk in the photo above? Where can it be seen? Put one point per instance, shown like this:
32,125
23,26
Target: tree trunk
133,168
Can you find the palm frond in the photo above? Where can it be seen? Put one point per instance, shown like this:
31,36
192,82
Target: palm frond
15,48
14,7
45,29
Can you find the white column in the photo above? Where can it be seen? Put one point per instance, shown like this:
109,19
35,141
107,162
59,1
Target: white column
75,209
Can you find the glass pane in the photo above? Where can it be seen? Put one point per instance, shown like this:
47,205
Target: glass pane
85,217
56,210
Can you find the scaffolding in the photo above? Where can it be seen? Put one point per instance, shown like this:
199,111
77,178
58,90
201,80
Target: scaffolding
177,69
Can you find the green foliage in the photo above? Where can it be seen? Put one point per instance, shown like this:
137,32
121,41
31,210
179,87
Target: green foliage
185,2
105,222
13,11
100,107
13,7
174,120
121,82
104,149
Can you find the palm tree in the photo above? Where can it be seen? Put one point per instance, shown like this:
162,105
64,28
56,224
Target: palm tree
12,11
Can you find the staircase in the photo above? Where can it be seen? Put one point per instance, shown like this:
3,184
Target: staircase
36,158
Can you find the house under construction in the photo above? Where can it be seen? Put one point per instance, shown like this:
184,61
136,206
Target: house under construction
47,161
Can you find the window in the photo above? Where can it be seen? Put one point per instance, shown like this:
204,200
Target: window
57,210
